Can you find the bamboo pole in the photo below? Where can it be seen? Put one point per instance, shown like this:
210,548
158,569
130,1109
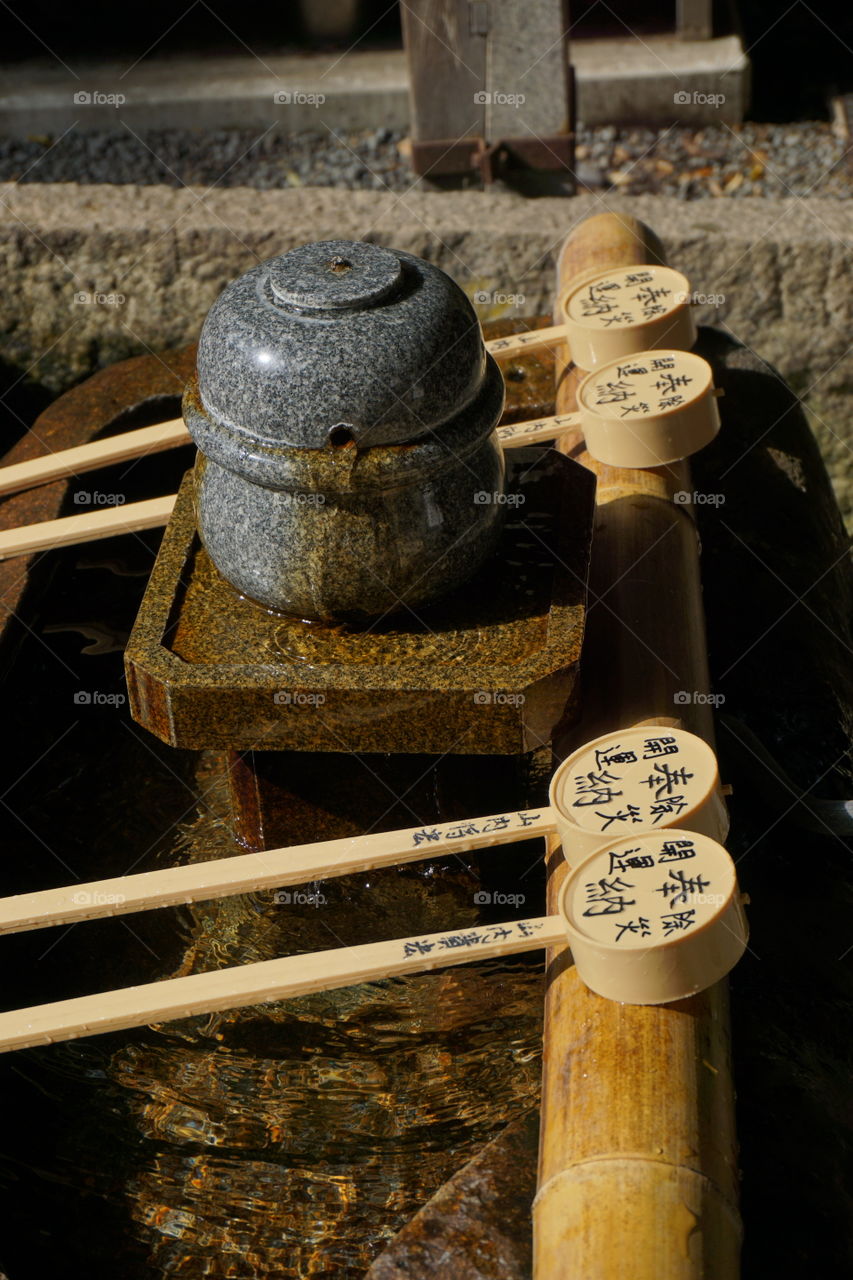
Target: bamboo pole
267,869
89,526
638,1156
555,336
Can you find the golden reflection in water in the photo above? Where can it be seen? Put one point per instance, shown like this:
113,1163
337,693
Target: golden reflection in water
294,1139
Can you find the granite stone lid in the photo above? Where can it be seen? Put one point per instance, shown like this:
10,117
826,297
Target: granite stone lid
341,339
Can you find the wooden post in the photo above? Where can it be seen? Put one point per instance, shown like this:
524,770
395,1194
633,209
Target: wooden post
490,86
446,53
694,19
527,69
638,1156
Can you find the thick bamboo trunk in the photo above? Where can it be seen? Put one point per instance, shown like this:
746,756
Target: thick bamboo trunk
638,1156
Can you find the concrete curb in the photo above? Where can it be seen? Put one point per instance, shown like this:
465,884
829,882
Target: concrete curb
661,79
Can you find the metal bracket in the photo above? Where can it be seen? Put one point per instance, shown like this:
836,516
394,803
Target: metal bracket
446,157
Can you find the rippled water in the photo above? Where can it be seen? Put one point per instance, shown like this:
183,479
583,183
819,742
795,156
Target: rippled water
291,1139
288,1140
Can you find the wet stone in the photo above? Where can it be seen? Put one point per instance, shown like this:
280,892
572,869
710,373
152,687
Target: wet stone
345,409
489,669
478,1224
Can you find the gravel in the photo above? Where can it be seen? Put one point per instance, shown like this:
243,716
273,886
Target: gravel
691,163
776,160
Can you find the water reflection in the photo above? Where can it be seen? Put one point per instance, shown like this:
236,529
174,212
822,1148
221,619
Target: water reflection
285,1140
292,1139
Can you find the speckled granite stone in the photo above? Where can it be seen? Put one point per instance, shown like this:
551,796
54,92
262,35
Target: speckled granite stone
206,668
345,406
477,1225
345,534
388,346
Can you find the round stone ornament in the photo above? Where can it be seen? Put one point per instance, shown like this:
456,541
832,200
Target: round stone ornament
339,337
344,409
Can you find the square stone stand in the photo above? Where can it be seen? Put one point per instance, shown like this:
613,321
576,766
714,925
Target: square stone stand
490,670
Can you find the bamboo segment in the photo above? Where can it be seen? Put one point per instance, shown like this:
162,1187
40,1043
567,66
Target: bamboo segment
689,1216
89,457
87,527
271,868
268,980
638,1158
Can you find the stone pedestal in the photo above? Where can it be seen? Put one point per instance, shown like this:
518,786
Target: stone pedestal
418,705
490,670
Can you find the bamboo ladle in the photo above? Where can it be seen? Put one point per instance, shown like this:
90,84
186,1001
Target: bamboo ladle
653,957
595,339
602,776
616,416
603,772
656,953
